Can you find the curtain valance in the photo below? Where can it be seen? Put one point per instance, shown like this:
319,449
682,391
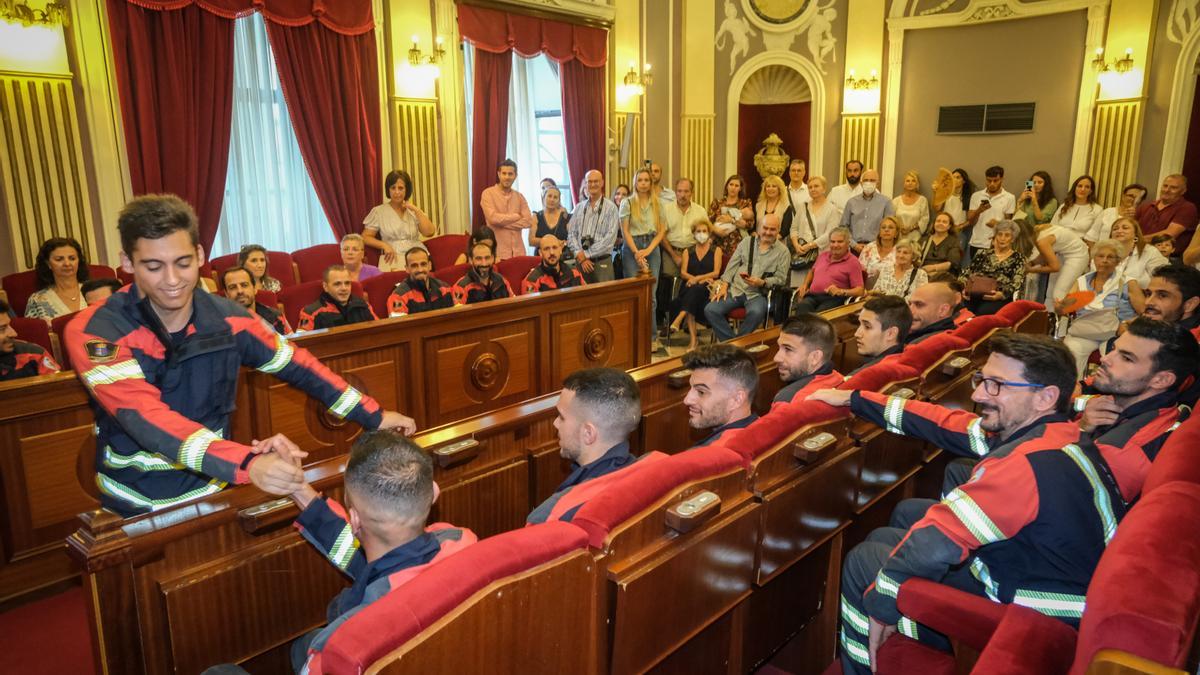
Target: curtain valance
494,31
348,17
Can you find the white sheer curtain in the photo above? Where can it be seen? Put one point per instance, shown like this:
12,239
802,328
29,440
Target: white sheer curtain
269,197
523,132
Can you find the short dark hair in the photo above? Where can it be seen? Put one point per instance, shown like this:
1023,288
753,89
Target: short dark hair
1177,352
949,279
41,265
392,472
995,171
893,312
1160,238
235,268
611,396
110,283
333,268
155,217
622,185
815,330
4,307
854,161
730,361
1044,361
1185,278
506,162
397,175
418,249
484,233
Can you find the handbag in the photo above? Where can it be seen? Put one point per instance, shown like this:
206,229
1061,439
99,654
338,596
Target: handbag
1098,325
978,285
801,261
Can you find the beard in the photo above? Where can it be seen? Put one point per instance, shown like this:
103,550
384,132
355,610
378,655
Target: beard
990,419
1106,384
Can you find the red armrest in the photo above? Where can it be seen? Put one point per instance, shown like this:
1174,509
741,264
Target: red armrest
1027,642
970,619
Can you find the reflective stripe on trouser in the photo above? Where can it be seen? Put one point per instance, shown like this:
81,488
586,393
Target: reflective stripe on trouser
859,570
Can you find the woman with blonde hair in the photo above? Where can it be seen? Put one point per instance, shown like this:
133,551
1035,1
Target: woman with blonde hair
912,208
772,199
642,229
880,253
1140,260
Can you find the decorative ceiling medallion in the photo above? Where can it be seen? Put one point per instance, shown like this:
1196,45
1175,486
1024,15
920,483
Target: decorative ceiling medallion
779,11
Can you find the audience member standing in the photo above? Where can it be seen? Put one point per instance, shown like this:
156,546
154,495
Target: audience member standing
988,206
772,199
1079,209
681,215
396,225
663,192
1037,203
731,214
1066,258
643,228
61,269
552,219
911,208
506,212
1131,198
840,194
1170,213
592,231
797,187
864,212
825,216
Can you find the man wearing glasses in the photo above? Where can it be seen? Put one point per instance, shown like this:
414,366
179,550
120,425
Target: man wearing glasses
1029,525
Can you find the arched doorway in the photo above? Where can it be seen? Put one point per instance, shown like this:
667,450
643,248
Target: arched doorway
775,100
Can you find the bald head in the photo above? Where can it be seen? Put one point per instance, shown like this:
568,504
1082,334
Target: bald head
768,229
595,184
931,303
550,249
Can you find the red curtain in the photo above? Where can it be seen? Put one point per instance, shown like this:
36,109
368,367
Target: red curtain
329,81
755,122
583,118
349,17
582,52
175,73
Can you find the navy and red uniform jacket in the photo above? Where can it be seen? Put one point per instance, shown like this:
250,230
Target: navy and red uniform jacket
894,350
617,457
1030,523
940,326
26,360
543,278
412,296
325,525
799,389
472,288
329,313
719,432
162,401
274,318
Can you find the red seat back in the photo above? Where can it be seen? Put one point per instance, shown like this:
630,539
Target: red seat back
18,287
379,287
516,269
444,250
58,327
1178,459
929,351
297,297
452,273
878,376
36,331
444,587
312,262
1015,311
976,329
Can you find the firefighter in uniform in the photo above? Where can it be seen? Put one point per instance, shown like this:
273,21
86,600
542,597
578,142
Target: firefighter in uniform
239,287
421,291
552,273
19,358
160,359
1029,525
804,357
481,283
337,306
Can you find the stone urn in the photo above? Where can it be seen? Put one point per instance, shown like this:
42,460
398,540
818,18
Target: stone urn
771,160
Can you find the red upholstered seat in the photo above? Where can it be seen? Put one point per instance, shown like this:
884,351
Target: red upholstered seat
976,329
20,285
637,490
780,422
452,273
1017,310
902,656
402,614
312,262
378,288
279,265
516,269
444,250
297,297
880,375
58,326
1178,459
929,351
36,331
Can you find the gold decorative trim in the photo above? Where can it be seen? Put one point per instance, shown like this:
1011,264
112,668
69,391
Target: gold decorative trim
697,150
416,148
860,139
1114,147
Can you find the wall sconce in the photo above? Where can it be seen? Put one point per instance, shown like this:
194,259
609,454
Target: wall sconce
1121,65
636,84
416,56
22,13
863,83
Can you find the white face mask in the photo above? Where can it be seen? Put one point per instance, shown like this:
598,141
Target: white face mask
701,237
868,187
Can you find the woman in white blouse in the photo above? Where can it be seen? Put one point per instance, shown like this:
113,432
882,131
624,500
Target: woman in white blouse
1079,209
61,270
882,252
1141,261
912,208
824,213
900,278
396,225
1064,257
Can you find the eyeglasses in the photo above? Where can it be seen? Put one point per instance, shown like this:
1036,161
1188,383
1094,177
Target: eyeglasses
992,386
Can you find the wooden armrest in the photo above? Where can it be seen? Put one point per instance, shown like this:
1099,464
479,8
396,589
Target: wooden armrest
1117,662
693,511
268,515
458,452
808,450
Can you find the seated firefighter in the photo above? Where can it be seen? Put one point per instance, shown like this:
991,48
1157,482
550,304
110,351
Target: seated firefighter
336,306
721,389
552,272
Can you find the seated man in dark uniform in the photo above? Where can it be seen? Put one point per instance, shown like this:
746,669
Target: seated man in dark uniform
962,314
933,308
552,273
421,291
239,287
721,390
883,324
805,356
19,358
481,283
597,410
336,306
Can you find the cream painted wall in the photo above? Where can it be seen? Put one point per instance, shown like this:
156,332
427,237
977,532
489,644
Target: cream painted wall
972,76
699,58
1159,86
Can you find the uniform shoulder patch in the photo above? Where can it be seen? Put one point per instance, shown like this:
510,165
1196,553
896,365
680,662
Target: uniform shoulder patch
101,351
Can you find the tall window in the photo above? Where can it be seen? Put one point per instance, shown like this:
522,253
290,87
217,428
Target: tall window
269,196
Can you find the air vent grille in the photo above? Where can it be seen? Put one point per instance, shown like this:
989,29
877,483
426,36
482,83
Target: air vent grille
992,118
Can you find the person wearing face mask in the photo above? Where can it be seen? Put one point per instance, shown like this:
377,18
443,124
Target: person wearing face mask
840,194
701,264
481,283
337,305
864,212
421,291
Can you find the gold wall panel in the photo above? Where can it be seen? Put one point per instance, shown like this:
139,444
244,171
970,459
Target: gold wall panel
1113,153
860,140
636,153
416,148
698,156
42,170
